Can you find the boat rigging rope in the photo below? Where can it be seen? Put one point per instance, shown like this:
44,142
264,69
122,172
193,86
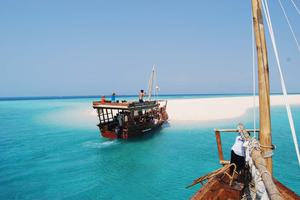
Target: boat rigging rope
287,105
297,9
290,26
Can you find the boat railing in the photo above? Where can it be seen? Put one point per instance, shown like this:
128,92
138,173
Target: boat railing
162,103
219,142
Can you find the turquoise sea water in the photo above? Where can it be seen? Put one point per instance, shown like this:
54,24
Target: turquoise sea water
51,149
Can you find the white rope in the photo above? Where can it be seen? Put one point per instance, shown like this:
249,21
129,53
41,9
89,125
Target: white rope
260,189
253,77
290,26
297,9
287,105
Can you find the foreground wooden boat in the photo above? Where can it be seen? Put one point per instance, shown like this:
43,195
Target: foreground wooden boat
256,181
223,184
130,119
218,189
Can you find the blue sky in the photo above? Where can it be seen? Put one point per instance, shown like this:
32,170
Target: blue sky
96,47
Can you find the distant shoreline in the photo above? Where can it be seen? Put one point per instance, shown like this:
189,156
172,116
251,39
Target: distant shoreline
210,109
161,96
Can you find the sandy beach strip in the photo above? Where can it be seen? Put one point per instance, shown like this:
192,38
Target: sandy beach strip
208,109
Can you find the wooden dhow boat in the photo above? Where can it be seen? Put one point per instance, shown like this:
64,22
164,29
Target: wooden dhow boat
256,181
130,119
124,120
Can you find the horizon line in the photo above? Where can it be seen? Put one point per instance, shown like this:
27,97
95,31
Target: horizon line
122,95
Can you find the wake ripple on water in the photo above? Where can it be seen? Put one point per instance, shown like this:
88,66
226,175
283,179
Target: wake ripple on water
100,145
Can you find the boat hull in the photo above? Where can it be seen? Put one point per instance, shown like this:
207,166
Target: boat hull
132,132
218,188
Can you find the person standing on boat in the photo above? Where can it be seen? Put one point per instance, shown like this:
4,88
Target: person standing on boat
238,150
113,97
120,120
103,99
141,96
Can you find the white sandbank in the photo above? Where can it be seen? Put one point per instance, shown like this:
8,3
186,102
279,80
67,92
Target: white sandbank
180,110
208,109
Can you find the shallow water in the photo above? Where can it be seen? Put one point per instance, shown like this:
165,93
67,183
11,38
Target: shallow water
51,149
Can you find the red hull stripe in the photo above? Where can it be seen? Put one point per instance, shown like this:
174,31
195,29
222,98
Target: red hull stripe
108,134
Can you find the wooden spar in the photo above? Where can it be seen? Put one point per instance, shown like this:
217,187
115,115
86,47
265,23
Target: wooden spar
265,137
235,130
151,83
264,165
220,151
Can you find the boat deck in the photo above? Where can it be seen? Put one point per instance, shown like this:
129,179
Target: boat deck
125,105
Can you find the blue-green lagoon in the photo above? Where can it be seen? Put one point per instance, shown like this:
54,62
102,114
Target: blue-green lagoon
51,149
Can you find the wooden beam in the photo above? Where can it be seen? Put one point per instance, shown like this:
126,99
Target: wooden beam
220,151
265,137
235,130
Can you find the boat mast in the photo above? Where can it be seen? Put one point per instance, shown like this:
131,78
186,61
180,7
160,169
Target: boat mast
265,137
151,83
